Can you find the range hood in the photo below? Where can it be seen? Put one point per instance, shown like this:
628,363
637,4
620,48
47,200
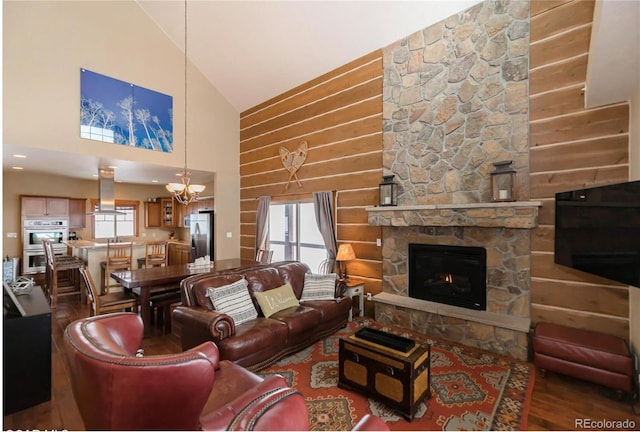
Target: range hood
106,194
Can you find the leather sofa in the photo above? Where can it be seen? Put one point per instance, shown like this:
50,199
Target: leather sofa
257,343
117,387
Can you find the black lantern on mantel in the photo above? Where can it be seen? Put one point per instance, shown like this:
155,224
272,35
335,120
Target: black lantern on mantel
503,180
388,191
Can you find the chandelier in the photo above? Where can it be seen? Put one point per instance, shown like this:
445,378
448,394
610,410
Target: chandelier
185,192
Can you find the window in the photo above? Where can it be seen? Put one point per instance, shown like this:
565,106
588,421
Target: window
294,234
121,225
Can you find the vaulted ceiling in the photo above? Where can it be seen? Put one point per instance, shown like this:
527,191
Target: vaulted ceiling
252,51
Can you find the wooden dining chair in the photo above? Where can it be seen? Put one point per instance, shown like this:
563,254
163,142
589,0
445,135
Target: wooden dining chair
156,254
114,302
324,268
264,256
119,257
160,308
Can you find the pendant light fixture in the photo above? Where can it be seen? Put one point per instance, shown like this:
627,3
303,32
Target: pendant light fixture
185,192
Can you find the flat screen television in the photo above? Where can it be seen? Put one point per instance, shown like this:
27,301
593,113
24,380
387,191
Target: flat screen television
598,231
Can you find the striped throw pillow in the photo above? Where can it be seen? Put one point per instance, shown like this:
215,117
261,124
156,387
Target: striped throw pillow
234,300
319,287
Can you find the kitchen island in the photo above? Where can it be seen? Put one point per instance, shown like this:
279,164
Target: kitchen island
93,252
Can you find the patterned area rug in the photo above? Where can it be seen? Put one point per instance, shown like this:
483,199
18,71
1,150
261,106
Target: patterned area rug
470,389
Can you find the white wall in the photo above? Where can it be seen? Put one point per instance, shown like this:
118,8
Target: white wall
614,53
45,45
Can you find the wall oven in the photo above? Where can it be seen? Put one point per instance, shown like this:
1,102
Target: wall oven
33,261
33,233
37,230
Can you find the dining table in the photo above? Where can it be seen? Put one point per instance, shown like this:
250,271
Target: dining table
145,279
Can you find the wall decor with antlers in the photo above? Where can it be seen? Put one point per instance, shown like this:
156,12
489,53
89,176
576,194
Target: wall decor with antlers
292,161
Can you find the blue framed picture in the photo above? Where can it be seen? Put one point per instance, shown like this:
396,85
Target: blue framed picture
118,112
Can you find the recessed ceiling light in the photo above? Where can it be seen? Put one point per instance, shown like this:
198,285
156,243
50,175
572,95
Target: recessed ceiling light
17,168
19,156
112,166
179,174
154,181
95,175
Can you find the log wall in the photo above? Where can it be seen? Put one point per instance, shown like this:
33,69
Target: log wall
339,114
571,148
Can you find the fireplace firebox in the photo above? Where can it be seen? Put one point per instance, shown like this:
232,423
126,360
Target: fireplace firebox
454,275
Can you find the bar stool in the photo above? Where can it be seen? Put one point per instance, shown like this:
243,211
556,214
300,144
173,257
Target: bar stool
54,264
119,257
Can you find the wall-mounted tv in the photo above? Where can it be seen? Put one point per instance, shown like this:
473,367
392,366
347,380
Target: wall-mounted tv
598,231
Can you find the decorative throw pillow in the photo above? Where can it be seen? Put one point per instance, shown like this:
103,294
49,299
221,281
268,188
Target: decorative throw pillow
276,299
319,287
234,300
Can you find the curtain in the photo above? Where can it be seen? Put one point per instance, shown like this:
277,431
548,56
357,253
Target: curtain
323,204
262,223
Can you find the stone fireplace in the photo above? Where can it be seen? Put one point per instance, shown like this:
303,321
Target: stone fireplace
503,230
455,101
454,275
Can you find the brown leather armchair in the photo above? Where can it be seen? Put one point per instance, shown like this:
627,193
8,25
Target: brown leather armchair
116,387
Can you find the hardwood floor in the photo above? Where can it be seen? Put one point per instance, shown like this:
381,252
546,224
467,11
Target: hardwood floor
557,403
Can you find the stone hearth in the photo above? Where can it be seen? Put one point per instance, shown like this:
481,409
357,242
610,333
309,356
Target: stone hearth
503,229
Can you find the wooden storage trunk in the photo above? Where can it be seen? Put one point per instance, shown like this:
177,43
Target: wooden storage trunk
400,380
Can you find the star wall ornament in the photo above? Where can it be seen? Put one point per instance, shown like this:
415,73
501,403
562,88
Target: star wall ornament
293,160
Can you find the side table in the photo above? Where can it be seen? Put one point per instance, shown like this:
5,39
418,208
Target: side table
356,289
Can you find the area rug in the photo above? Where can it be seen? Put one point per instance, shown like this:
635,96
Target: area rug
470,389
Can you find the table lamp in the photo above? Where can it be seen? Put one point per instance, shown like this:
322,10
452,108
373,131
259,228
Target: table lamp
345,253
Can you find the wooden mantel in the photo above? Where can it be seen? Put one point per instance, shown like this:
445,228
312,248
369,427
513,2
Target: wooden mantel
517,215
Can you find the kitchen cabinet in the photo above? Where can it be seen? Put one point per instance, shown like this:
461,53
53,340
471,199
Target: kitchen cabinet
167,212
77,213
179,253
45,206
206,204
152,215
180,210
192,208
183,211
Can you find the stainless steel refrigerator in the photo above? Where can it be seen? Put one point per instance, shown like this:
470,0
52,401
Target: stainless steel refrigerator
201,226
